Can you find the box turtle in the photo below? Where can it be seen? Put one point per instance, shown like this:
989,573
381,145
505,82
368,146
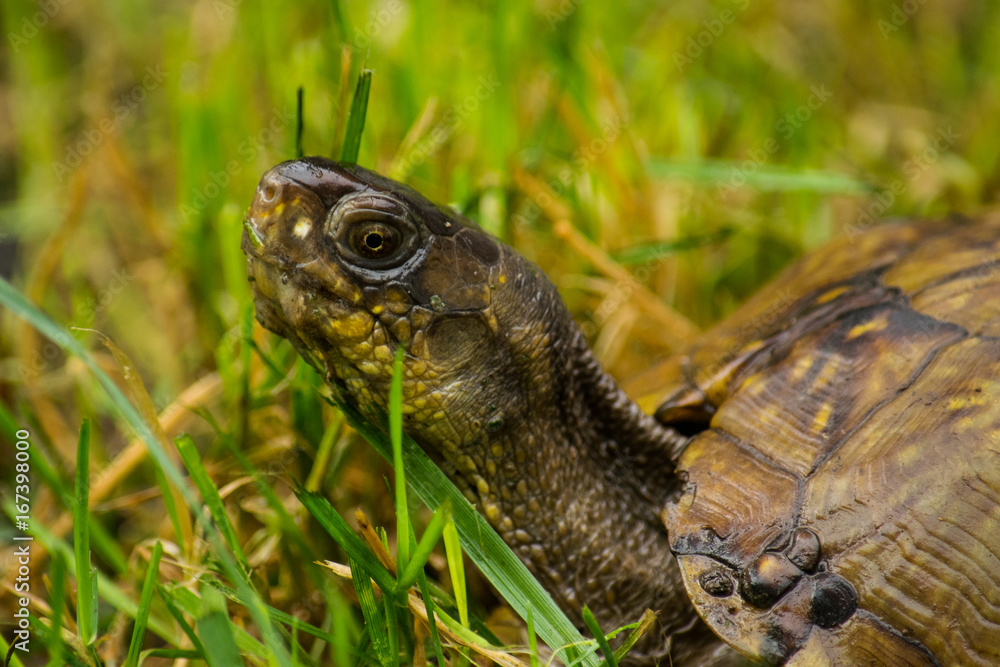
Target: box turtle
818,482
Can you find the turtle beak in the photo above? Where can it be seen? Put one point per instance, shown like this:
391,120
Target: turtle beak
283,218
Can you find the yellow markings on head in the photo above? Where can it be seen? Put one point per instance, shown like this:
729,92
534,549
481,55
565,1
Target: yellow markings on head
353,326
302,227
482,486
370,368
503,278
875,324
384,354
830,295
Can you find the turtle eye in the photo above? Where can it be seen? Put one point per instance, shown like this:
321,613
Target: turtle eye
373,232
374,240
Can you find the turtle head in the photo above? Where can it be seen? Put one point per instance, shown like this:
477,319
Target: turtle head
349,266
498,382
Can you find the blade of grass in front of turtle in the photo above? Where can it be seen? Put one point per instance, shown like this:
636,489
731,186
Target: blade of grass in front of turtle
392,629
21,307
644,624
341,532
435,527
145,600
394,607
456,571
532,640
490,554
299,125
602,641
356,120
425,592
396,438
374,620
210,494
86,583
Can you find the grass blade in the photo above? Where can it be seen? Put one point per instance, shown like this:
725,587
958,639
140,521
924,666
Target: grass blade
339,530
179,617
145,600
371,612
210,494
20,306
644,624
171,495
432,534
731,175
532,641
54,643
478,539
654,251
602,641
86,592
431,616
396,437
299,124
222,650
392,629
456,570
356,121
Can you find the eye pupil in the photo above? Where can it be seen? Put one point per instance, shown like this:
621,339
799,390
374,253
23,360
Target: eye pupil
375,240
372,232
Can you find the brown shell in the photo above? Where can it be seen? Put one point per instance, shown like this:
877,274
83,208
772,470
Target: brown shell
842,504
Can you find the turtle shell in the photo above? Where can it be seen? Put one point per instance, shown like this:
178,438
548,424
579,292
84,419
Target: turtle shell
842,489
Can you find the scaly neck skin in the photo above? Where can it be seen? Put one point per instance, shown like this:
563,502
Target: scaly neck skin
576,479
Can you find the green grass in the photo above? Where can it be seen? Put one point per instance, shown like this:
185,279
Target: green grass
134,136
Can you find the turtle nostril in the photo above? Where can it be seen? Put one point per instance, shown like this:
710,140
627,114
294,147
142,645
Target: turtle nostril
268,193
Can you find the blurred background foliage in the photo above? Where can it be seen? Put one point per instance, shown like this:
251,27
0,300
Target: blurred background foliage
700,146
